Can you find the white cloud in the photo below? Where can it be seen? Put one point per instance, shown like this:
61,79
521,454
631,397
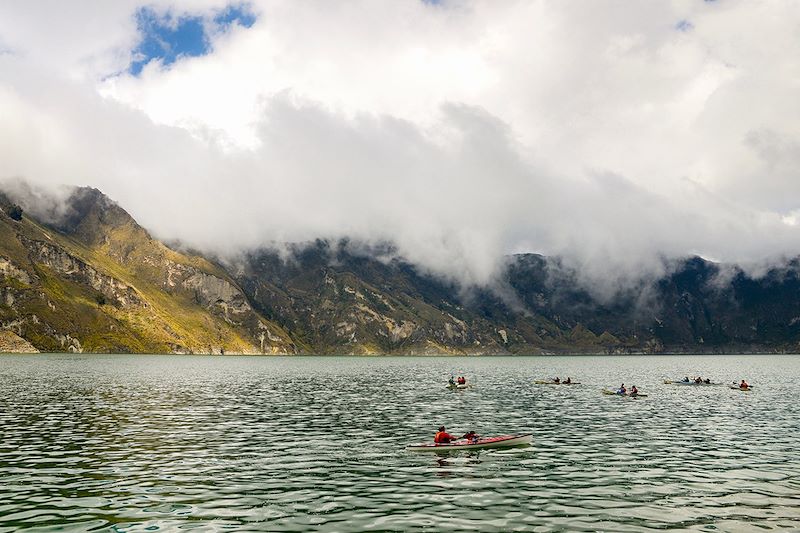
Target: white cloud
460,131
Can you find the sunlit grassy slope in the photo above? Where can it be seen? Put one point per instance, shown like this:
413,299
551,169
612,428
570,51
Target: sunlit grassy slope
63,298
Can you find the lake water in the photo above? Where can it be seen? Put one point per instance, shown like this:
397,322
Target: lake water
143,443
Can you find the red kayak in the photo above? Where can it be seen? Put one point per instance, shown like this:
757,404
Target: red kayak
503,441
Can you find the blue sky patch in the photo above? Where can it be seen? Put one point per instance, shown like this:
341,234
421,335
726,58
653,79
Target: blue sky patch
235,14
168,38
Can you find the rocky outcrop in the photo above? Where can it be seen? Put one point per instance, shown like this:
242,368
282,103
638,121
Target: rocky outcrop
115,291
208,290
10,270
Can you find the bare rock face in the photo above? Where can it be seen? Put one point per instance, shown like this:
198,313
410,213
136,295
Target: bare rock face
9,269
117,292
208,290
223,299
10,342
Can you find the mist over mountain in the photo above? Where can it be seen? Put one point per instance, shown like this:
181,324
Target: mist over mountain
90,278
461,132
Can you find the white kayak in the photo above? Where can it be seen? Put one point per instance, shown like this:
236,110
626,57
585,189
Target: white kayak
461,386
503,441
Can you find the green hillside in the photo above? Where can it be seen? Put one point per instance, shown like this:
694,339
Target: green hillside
96,281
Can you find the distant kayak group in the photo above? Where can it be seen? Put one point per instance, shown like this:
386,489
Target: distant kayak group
622,390
557,381
742,385
686,381
444,441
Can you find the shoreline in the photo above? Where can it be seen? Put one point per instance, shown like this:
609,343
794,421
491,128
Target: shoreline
410,355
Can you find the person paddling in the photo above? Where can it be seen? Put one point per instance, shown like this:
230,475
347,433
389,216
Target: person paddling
622,390
471,436
568,381
556,380
634,391
442,436
451,381
744,385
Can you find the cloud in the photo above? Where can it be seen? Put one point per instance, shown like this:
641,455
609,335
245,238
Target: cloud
616,136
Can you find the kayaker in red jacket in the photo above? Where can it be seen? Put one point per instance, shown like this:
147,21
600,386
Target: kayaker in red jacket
442,436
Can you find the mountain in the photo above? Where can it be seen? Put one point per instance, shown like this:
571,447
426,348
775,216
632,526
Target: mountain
82,275
94,280
336,301
339,300
699,306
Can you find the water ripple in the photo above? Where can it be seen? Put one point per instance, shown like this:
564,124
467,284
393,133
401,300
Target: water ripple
127,443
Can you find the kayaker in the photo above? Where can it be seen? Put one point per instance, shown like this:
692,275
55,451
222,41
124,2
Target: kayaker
707,381
442,436
451,381
744,385
556,380
622,389
634,391
471,436
698,380
568,381
462,380
686,379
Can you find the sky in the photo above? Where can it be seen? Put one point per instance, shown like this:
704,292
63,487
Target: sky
619,135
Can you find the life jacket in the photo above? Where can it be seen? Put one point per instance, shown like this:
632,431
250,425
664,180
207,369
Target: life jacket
441,437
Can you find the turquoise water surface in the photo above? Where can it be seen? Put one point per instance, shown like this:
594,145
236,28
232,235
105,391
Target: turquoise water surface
144,443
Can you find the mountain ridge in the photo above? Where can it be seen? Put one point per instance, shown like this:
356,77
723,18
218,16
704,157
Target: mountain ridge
100,278
90,278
